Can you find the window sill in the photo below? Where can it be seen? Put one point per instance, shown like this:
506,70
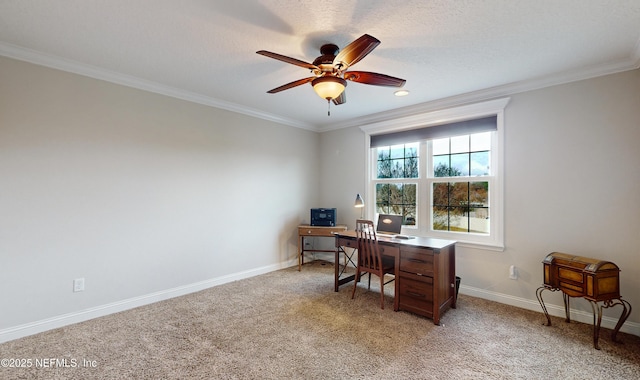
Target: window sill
485,247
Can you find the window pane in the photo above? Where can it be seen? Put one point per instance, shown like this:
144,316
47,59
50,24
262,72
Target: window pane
397,151
461,207
481,141
397,168
479,194
458,221
441,166
398,161
411,167
409,216
459,194
440,146
470,155
384,163
397,199
479,207
480,164
382,194
441,194
382,209
459,165
383,169
409,195
460,144
411,150
440,219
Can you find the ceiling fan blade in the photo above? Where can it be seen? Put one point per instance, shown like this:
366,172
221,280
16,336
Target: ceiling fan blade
355,51
340,99
291,85
286,59
374,79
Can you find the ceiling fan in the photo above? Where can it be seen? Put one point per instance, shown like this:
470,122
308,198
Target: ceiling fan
330,73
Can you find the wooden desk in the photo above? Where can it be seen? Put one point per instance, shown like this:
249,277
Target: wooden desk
425,271
306,230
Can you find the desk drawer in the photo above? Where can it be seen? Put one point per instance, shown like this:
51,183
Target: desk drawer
384,250
325,231
416,260
351,243
416,294
389,251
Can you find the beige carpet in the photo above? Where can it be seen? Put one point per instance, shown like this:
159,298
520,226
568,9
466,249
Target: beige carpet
292,325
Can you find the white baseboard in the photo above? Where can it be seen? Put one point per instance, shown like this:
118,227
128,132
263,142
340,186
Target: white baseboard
555,310
115,307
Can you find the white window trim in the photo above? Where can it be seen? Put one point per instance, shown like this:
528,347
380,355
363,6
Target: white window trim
477,110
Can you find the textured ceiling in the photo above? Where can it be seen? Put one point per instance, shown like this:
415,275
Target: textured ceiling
204,51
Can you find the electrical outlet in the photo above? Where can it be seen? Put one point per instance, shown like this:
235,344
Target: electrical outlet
78,285
513,272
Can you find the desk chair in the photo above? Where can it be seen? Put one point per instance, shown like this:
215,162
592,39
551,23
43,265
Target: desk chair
369,257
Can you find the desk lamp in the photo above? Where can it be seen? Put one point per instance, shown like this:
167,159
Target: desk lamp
360,204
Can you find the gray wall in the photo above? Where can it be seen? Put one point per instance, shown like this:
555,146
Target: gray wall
572,184
148,197
143,195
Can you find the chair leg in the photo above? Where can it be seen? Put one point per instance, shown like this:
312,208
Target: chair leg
382,291
355,283
369,287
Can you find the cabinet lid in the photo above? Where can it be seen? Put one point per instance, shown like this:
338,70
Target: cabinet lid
586,264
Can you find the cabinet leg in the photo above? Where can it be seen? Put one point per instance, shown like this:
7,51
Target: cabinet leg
597,320
300,251
567,307
626,311
544,308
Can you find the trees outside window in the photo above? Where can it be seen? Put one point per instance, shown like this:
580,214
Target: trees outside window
394,163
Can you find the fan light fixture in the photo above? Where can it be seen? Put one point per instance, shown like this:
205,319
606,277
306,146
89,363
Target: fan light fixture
329,87
329,70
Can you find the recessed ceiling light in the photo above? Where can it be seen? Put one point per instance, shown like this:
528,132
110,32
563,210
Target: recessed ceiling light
401,93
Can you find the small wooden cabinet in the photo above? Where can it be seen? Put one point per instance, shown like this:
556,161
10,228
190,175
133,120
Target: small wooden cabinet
578,276
592,279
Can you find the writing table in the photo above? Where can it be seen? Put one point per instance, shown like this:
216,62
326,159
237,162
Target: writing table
306,230
425,272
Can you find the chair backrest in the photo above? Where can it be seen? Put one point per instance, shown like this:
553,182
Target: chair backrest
368,250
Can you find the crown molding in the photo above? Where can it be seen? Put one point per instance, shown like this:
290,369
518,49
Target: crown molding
632,63
55,62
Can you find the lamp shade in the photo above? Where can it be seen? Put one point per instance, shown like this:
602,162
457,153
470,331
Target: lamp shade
359,201
328,87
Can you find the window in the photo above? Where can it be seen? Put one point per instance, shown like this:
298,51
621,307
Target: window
443,176
396,168
461,203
